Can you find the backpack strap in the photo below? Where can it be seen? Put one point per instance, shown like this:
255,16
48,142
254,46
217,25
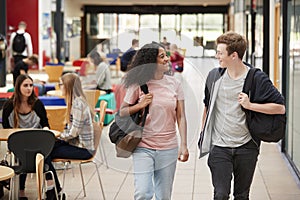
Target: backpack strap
249,84
144,88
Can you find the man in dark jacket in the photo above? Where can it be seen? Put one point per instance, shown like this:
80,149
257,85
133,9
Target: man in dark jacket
128,55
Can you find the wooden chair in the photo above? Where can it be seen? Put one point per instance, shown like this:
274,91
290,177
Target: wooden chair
116,67
56,117
54,72
92,97
39,168
97,135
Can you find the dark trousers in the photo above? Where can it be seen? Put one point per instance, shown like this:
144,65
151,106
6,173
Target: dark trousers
18,58
240,162
22,180
63,149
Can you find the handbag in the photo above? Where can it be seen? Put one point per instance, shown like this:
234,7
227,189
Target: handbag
265,127
126,131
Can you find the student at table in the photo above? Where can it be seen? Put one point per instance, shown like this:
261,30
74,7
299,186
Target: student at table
103,76
24,110
77,140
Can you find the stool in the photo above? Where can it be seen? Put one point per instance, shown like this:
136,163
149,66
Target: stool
52,101
111,104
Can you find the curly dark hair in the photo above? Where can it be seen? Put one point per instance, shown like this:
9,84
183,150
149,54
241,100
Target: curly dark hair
143,65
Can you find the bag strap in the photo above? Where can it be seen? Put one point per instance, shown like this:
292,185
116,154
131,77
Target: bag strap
248,87
144,88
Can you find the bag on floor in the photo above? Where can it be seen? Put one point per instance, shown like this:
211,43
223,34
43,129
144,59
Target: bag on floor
267,128
126,132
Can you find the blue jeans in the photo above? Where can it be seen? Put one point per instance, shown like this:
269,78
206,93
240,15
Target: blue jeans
154,172
63,149
239,162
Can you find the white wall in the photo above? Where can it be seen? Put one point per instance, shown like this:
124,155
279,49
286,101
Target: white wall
44,44
72,10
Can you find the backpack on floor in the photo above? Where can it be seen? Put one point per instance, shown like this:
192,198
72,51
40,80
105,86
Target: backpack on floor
19,43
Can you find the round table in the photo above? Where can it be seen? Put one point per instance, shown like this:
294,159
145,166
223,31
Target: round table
5,133
55,93
6,173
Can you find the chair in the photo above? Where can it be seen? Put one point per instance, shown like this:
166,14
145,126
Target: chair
56,117
39,168
111,105
116,67
92,97
97,135
54,72
25,144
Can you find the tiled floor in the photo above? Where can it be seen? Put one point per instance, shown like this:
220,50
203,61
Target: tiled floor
273,180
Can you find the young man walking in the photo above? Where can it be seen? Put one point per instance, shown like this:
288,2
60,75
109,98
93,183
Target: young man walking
225,136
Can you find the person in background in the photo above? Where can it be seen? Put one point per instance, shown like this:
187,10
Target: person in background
166,44
128,55
22,66
176,59
77,141
156,156
17,54
225,136
24,110
103,76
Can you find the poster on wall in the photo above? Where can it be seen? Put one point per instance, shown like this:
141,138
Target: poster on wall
45,25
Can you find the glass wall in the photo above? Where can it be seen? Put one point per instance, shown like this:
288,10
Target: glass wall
116,31
293,147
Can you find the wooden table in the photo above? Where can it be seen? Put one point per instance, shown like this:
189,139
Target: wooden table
5,133
6,173
71,68
55,93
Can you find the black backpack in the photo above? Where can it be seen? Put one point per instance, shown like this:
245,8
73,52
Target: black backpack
265,127
19,43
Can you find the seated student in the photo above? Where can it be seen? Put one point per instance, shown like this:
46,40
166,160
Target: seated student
103,76
21,67
24,110
128,55
77,141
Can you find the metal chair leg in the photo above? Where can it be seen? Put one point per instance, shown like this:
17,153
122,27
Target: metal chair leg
103,155
64,177
82,181
100,182
52,177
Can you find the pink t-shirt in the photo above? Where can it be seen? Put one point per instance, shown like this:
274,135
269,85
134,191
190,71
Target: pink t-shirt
160,128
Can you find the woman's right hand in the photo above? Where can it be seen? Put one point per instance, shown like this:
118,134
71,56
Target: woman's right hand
146,100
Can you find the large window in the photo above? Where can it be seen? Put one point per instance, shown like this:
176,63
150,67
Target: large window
117,30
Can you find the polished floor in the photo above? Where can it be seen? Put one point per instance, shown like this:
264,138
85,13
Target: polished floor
273,180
